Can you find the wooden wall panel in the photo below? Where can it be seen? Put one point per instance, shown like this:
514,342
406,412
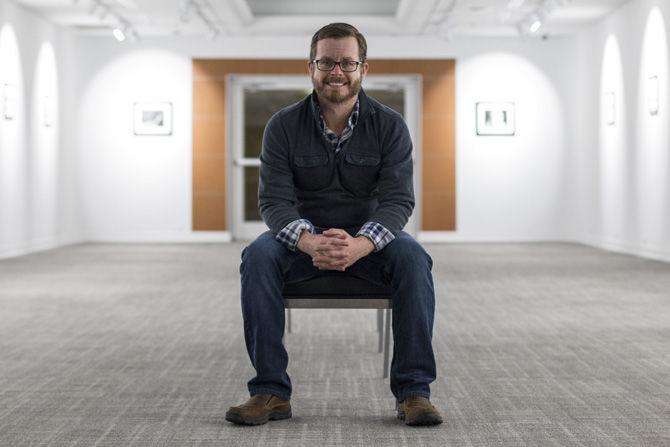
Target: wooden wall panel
438,188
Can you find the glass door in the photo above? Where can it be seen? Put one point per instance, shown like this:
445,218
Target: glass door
254,99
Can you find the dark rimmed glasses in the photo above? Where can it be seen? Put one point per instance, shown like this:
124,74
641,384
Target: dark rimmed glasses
329,64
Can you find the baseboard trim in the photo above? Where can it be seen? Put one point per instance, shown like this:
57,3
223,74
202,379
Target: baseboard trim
164,237
455,237
37,246
625,248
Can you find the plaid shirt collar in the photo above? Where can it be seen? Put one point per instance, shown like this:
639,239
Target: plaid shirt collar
331,136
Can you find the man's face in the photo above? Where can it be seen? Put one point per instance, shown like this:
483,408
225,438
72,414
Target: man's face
337,86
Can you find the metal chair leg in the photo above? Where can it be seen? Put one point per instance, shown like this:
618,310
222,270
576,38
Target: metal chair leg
380,324
288,320
387,339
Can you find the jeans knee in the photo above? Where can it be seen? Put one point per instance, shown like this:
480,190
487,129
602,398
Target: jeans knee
407,252
263,251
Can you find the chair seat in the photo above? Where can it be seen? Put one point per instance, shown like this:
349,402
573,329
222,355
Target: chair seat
336,286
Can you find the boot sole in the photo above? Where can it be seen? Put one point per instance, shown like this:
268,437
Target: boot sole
274,416
423,420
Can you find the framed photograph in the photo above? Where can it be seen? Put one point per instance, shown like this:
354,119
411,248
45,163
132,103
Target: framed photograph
610,108
152,118
48,112
495,118
10,98
652,95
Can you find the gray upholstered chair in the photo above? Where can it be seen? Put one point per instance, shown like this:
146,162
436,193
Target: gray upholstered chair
341,291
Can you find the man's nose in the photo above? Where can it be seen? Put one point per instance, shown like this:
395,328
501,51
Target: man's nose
337,69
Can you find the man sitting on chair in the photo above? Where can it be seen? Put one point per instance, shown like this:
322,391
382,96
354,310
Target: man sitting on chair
336,191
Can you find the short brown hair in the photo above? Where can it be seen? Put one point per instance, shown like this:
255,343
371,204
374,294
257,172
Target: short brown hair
339,31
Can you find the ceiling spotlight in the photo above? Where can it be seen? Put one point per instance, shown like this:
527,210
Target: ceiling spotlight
121,28
535,25
118,33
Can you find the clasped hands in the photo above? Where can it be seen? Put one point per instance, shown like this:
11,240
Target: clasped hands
334,249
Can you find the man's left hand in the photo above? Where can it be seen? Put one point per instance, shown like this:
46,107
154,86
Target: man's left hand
344,252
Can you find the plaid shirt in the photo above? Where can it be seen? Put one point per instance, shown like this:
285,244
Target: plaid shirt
335,140
377,233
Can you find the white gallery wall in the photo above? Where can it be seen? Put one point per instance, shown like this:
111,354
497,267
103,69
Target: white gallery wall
138,188
38,180
510,188
619,182
134,187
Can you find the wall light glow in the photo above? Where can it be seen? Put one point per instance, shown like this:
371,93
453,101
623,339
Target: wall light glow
652,170
45,157
13,191
613,158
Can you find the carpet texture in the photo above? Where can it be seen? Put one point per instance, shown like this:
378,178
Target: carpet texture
142,345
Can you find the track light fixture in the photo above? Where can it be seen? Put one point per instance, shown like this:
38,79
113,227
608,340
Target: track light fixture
531,23
535,24
204,12
121,28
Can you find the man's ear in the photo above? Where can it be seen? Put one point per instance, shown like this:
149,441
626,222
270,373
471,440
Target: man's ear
310,67
364,69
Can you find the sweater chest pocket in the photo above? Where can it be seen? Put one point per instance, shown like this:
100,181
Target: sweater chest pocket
311,172
359,172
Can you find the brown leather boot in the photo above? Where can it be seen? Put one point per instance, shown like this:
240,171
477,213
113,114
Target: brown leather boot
417,410
259,409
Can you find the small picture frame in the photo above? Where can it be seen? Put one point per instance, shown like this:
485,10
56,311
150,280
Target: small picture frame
610,108
48,112
152,118
495,118
10,100
652,94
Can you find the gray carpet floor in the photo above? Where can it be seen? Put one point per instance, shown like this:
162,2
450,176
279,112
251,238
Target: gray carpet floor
138,345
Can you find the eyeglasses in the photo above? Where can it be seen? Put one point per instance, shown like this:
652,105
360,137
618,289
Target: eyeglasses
329,64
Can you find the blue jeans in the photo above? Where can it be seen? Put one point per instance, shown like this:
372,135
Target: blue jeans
267,265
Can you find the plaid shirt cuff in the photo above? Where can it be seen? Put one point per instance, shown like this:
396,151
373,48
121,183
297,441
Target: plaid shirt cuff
290,234
377,233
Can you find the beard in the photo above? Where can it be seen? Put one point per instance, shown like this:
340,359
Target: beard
340,95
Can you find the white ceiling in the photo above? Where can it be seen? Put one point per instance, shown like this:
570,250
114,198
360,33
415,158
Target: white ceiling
262,8
217,18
